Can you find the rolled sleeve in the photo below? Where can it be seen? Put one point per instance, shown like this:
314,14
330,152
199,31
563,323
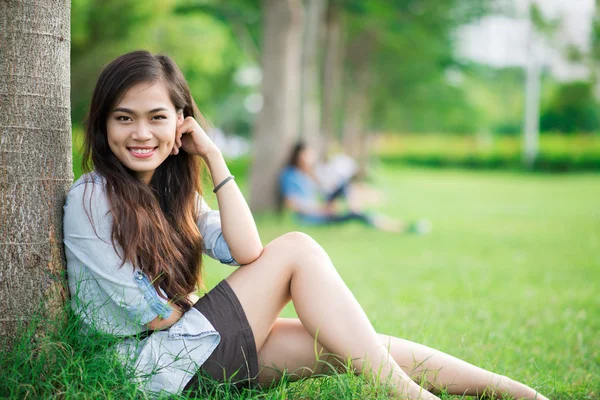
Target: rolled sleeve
214,244
91,249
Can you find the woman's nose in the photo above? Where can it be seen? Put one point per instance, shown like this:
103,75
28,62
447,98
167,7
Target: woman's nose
142,132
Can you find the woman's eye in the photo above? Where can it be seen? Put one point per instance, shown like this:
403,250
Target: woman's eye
159,117
123,118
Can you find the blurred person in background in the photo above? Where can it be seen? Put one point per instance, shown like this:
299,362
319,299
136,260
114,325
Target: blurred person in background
311,191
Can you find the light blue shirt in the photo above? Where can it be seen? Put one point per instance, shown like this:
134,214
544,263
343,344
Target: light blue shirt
121,300
296,184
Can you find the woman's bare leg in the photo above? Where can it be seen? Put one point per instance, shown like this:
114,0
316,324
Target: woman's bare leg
294,267
289,347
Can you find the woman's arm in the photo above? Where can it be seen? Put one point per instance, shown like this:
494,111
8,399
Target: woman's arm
237,223
158,324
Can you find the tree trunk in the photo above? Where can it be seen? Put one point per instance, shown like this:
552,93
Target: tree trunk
332,76
355,140
36,166
531,124
311,113
277,123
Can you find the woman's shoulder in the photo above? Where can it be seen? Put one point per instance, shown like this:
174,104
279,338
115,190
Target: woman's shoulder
92,177
87,205
90,186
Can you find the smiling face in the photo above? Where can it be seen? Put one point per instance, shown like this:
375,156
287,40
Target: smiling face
141,128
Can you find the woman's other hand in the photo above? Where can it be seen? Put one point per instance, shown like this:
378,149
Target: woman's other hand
192,139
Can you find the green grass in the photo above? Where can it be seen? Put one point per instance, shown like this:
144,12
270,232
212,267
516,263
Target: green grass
508,280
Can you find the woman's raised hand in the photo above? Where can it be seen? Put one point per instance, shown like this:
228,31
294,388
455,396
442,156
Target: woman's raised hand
192,139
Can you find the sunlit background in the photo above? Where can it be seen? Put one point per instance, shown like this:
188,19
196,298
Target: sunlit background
427,82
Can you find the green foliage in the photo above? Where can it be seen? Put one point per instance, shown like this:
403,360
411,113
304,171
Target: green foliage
595,38
433,106
203,46
77,152
542,25
409,48
497,96
572,109
558,153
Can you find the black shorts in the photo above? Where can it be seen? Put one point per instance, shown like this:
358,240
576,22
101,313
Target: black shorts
235,359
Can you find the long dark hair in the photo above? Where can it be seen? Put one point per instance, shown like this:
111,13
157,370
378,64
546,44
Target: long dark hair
154,224
294,159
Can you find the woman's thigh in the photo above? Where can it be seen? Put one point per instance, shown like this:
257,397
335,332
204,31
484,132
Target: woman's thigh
291,349
263,287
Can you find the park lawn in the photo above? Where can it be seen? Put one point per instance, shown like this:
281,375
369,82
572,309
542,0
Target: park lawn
508,280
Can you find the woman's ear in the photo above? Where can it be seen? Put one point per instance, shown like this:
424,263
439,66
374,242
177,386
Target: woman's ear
180,117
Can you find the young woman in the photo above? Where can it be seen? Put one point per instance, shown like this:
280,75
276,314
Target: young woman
134,231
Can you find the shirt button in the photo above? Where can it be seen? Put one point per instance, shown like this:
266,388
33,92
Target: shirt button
139,276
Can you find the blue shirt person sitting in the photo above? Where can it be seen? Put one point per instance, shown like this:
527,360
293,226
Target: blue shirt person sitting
300,193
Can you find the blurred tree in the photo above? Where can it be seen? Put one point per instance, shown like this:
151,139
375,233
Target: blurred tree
594,55
532,90
277,123
36,165
397,55
332,74
356,107
539,29
310,103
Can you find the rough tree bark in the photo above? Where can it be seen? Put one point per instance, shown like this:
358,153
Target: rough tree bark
310,125
332,76
277,123
35,152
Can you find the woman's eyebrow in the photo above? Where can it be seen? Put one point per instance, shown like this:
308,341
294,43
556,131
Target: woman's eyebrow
157,109
130,111
123,109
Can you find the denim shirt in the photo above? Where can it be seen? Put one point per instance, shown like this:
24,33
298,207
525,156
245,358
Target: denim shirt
121,300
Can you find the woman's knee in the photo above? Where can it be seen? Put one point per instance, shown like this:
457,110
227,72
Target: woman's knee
296,246
292,240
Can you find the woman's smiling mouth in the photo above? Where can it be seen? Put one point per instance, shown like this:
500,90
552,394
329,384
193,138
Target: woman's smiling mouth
142,152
